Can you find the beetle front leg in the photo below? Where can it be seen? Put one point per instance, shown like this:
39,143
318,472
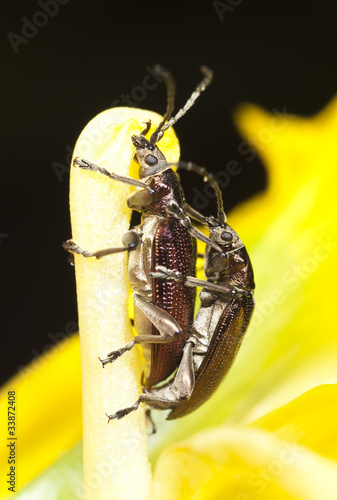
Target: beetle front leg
88,165
130,241
167,326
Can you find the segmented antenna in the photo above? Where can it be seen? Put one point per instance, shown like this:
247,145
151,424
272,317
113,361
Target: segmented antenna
208,177
171,92
158,134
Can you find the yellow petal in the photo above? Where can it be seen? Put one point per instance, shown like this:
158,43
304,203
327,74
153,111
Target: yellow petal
310,419
48,410
294,150
293,246
291,346
290,232
270,459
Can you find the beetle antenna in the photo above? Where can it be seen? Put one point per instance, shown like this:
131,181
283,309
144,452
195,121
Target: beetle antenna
200,88
208,177
171,92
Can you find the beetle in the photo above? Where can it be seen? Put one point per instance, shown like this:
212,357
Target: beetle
216,334
163,309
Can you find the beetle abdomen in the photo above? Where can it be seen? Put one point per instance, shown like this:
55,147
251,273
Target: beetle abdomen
224,345
174,248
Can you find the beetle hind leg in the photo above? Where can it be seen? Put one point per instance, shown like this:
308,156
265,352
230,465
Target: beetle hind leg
170,395
149,421
125,411
154,401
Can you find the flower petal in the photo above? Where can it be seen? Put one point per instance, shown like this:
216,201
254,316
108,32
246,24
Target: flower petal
63,480
311,419
268,459
290,232
45,390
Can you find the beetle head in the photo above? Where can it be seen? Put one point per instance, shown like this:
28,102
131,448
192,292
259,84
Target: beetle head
223,235
218,265
151,160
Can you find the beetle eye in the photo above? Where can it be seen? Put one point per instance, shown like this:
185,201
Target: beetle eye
226,236
151,160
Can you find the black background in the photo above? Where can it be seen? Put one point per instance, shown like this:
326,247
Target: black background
273,53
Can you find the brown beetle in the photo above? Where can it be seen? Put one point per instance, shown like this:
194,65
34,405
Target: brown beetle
227,305
163,309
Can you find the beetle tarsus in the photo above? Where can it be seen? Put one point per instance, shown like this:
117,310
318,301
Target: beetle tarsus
113,355
163,272
122,413
72,247
77,162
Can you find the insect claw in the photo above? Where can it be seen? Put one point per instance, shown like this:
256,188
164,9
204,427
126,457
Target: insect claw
118,415
72,247
109,359
102,361
69,245
78,162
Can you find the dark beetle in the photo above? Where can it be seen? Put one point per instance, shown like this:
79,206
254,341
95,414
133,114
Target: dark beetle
214,339
163,309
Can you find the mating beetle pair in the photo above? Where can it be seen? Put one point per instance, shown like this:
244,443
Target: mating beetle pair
190,357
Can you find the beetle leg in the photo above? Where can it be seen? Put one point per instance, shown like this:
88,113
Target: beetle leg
194,214
113,355
174,210
150,421
224,290
141,199
167,326
130,241
202,237
122,413
170,395
88,165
